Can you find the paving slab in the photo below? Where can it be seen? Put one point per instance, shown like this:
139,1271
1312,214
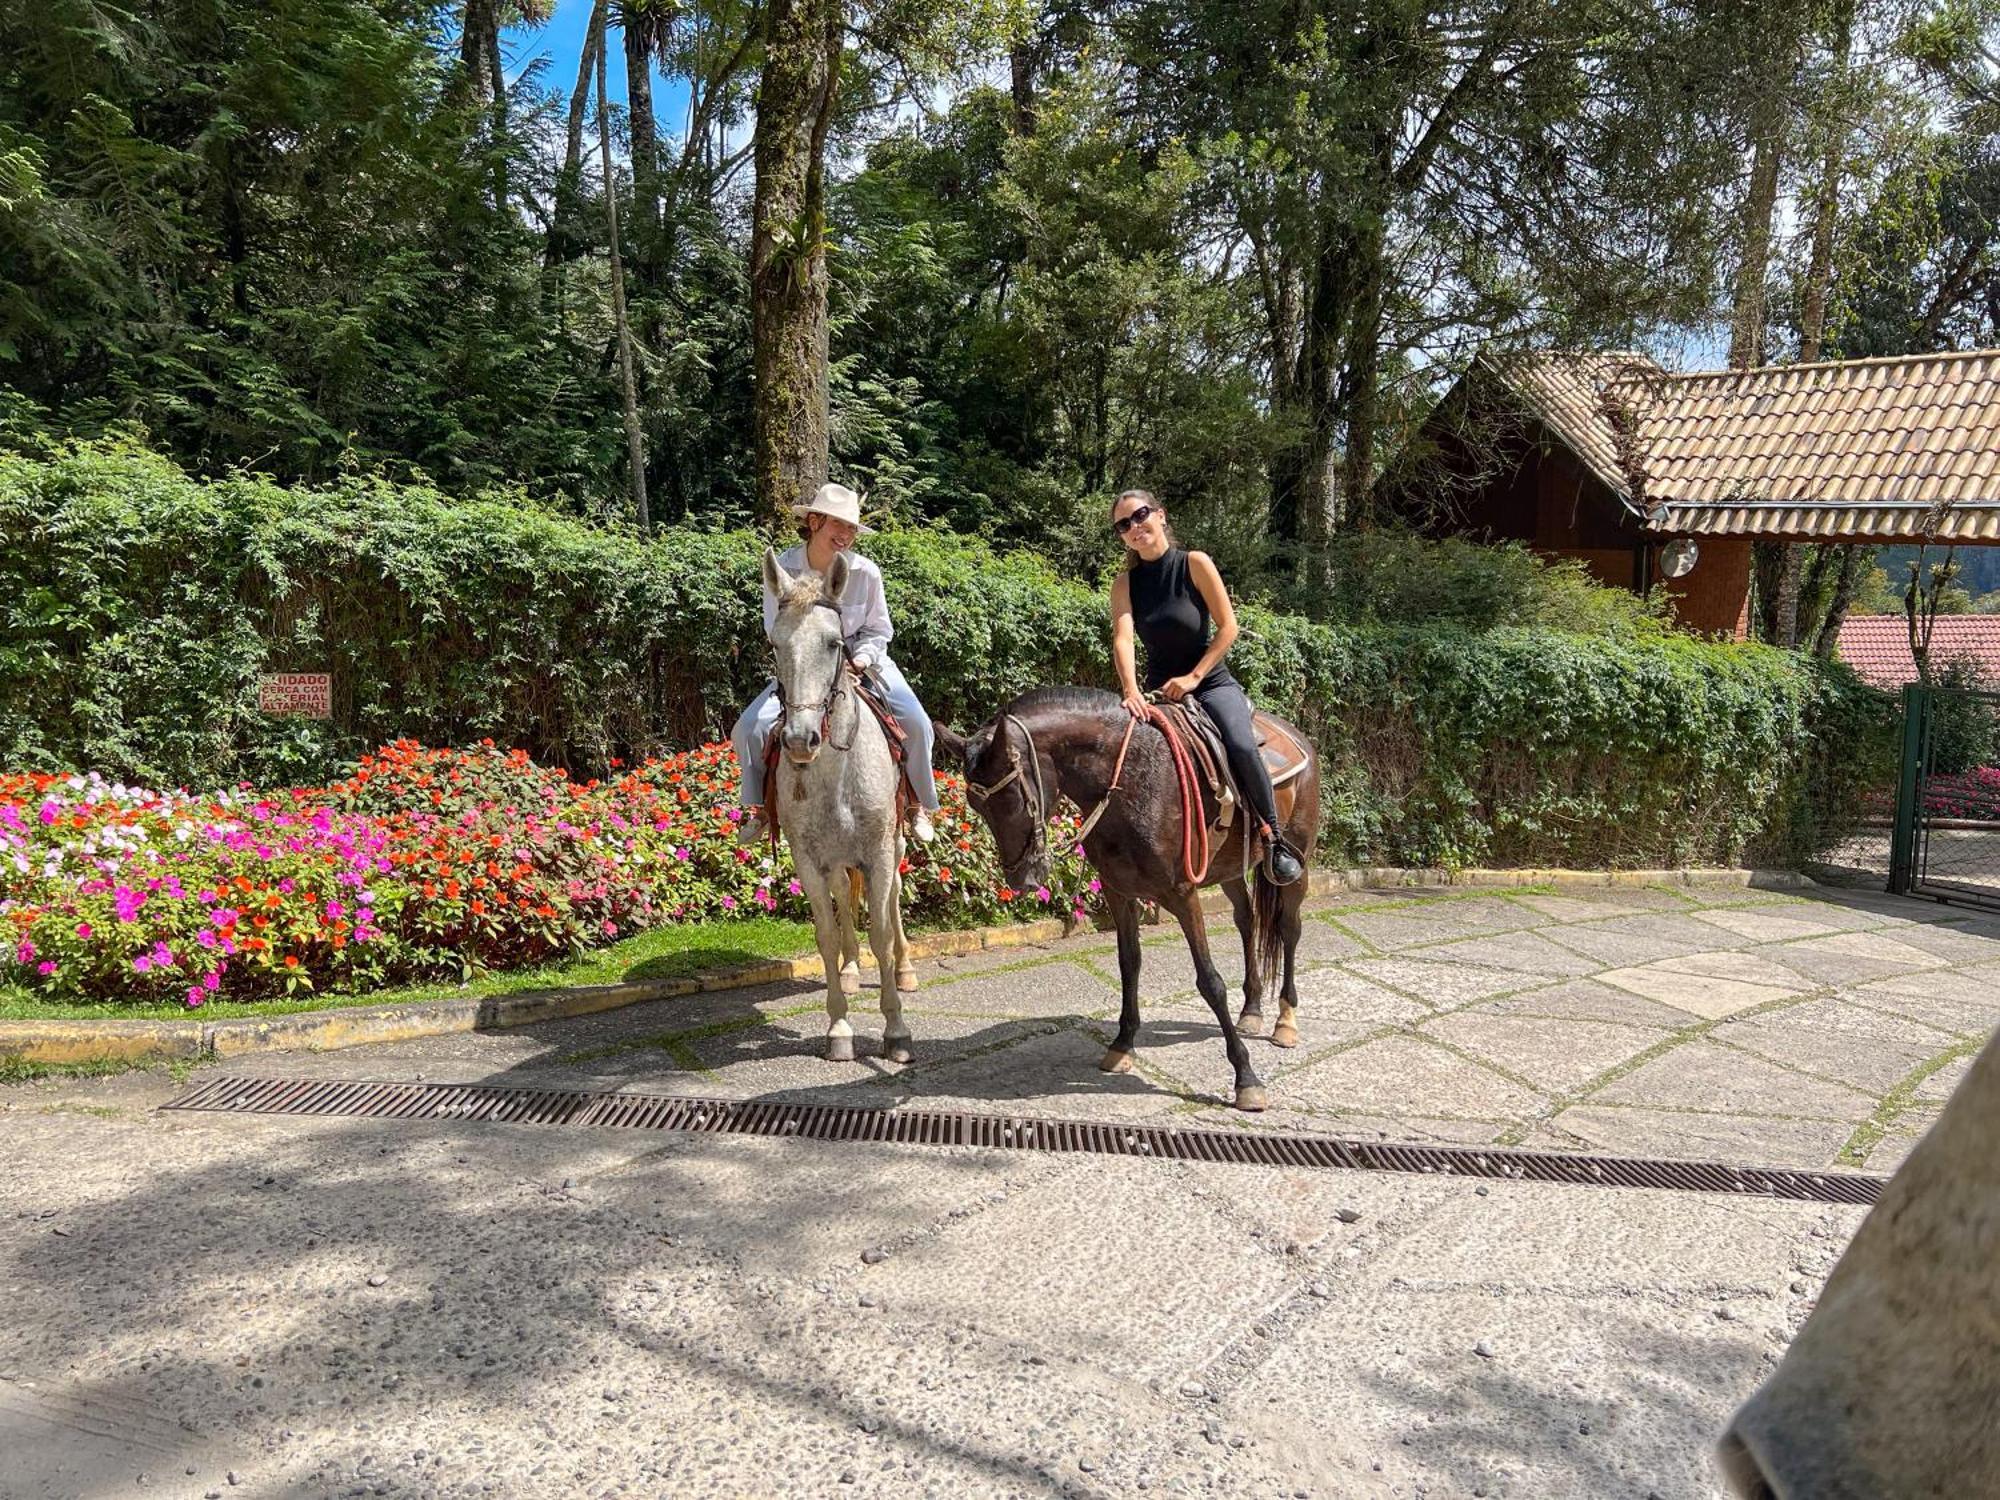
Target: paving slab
1765,925
1051,986
1590,1000
1442,984
1705,1075
1834,1039
1556,1056
1618,941
1528,952
1968,1001
1703,995
1401,1075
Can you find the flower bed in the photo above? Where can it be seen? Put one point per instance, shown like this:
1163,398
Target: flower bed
1973,795
422,863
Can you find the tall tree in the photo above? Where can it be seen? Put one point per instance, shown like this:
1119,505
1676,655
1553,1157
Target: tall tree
788,269
635,440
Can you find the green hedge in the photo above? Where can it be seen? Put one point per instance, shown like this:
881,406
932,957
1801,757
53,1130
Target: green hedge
138,606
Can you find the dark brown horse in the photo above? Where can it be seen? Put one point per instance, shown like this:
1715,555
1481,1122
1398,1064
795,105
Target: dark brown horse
1067,741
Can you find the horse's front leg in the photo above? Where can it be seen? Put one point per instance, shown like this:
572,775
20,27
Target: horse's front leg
828,933
1125,918
1186,907
1251,1021
885,936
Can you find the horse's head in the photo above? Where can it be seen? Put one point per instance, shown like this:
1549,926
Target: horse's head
809,651
1011,784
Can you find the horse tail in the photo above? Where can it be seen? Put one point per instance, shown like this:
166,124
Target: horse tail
1267,906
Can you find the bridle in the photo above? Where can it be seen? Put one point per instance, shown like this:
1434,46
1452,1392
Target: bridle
981,792
824,705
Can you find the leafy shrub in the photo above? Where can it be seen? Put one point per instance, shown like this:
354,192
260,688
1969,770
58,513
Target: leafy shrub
1475,706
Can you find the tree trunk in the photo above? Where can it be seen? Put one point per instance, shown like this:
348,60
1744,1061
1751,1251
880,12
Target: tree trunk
1826,203
1845,580
788,273
1767,129
645,140
1021,66
569,185
635,442
497,69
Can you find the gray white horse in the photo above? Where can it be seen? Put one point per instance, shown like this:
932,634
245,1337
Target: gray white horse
835,793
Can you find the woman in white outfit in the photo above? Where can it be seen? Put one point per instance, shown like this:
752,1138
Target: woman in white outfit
830,521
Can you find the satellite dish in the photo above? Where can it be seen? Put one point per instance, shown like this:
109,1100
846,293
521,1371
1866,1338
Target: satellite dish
1677,558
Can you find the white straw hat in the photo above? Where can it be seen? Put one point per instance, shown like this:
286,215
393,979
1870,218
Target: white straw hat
835,500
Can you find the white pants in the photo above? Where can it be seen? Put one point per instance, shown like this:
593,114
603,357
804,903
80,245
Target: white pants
753,732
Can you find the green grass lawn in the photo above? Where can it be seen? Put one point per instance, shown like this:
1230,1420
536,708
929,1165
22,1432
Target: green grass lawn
662,953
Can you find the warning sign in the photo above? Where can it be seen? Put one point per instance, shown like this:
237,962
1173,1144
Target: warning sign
305,694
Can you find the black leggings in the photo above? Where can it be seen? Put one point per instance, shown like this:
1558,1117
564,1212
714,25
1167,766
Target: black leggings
1227,704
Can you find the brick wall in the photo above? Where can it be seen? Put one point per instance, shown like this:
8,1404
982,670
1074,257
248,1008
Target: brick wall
1715,596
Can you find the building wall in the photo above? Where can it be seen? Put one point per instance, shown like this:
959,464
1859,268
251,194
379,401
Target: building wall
1715,595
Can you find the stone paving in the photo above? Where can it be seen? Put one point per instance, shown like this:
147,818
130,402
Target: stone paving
200,1306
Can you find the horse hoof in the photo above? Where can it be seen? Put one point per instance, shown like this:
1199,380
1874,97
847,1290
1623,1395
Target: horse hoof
1252,1100
896,1049
1115,1061
850,979
840,1049
1284,1034
1250,1023
906,980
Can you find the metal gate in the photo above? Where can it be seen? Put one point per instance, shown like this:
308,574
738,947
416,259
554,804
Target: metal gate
1946,840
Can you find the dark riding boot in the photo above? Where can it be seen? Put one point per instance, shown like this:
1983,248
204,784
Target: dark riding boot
1281,865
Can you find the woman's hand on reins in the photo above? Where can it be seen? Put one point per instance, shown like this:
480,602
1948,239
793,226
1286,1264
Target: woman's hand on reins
1135,705
1177,688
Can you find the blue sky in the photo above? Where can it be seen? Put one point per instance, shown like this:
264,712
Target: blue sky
561,43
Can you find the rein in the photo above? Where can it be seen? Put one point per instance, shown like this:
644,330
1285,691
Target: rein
1195,850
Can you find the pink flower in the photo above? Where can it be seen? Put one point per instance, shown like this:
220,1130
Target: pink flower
49,812
25,954
143,962
791,888
196,995
83,930
610,927
729,903
1042,894
1096,886
46,966
335,911
212,980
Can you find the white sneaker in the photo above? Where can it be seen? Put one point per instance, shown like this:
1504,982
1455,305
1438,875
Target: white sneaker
752,830
920,825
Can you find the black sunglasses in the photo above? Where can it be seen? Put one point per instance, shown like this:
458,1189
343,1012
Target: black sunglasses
1137,518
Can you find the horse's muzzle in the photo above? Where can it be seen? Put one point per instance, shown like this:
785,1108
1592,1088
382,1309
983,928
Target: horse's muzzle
802,747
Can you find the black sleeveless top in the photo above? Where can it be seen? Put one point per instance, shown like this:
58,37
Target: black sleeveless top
1171,617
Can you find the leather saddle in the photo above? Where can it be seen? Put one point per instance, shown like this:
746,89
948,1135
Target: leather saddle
1285,754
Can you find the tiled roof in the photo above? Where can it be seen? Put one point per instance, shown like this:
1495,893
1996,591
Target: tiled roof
1871,449
1566,391
1878,646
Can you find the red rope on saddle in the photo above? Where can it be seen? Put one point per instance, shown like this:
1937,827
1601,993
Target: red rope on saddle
1194,826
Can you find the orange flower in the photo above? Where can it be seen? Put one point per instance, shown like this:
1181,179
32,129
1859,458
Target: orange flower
291,960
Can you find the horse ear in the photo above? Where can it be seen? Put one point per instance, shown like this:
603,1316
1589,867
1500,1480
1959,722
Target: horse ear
949,740
776,579
837,576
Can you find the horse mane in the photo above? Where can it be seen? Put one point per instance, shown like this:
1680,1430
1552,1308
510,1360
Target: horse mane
807,590
1065,700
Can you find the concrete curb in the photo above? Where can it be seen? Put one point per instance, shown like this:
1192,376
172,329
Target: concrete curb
319,1031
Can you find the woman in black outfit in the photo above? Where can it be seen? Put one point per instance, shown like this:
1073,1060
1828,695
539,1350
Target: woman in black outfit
1167,597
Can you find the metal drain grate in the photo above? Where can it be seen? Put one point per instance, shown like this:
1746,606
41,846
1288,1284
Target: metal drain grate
933,1127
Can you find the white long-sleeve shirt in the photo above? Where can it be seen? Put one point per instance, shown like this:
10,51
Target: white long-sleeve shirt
864,612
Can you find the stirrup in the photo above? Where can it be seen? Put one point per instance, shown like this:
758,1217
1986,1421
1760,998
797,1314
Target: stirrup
1282,865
